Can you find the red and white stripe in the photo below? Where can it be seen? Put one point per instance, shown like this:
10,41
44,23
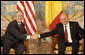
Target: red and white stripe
27,7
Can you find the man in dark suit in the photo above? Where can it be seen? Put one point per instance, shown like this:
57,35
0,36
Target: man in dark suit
68,34
15,35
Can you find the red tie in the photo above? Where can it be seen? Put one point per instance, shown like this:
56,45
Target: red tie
66,34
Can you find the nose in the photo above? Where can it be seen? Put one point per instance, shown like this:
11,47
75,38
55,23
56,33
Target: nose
20,18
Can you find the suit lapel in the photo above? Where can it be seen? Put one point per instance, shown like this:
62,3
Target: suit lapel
71,28
22,26
17,26
62,30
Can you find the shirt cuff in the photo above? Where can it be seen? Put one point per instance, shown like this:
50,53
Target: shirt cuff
39,36
28,37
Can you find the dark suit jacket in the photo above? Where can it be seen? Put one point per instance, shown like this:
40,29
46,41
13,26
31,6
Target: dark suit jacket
74,28
13,32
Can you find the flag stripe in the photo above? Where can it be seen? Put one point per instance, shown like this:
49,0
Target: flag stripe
31,7
27,27
30,28
33,3
53,9
29,18
19,5
32,17
28,24
55,21
18,8
29,15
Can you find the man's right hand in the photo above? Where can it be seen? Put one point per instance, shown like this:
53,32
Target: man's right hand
28,37
35,36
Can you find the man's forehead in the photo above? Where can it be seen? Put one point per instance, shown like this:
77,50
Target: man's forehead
64,15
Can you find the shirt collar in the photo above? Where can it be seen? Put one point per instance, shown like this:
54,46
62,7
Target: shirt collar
67,24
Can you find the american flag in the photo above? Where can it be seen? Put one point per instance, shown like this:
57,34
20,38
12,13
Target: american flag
27,7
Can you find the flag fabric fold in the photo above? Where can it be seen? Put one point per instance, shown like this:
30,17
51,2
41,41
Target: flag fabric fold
27,7
53,9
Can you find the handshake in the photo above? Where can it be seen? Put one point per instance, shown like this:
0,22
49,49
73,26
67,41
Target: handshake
34,36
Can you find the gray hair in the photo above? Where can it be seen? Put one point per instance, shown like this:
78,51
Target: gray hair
65,14
19,11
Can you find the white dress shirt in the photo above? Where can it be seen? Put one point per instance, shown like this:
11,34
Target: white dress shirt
69,33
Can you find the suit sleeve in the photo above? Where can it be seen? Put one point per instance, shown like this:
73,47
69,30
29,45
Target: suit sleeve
12,30
25,32
51,33
80,31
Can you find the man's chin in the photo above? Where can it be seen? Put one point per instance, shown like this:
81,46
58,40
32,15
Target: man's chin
64,23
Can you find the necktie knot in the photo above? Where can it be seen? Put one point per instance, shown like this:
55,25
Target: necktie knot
65,26
20,25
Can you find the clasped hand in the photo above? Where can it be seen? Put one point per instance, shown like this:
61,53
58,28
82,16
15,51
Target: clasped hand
35,36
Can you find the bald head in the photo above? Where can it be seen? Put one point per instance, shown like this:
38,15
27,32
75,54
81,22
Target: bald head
64,18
